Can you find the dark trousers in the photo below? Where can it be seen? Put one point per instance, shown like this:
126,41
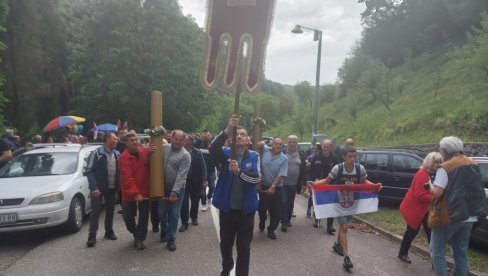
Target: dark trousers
155,213
211,187
289,193
236,227
273,204
96,205
192,194
411,233
129,212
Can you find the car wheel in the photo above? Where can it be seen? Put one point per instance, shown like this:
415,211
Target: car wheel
75,219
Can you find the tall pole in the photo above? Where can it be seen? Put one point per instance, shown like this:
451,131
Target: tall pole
315,113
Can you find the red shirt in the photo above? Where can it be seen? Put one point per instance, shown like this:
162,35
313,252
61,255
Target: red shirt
134,174
416,202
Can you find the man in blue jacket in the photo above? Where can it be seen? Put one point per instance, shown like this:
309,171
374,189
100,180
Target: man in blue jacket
103,180
235,196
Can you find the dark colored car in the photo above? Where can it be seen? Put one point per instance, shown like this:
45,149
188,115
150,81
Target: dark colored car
480,232
394,168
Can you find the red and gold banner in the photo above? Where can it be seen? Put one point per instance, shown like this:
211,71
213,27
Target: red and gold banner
230,24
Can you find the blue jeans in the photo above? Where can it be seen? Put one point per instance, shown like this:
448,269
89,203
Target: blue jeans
169,214
457,235
211,187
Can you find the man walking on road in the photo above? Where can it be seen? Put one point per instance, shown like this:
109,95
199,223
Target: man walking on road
103,180
235,196
295,180
274,169
176,165
196,181
134,180
458,181
322,164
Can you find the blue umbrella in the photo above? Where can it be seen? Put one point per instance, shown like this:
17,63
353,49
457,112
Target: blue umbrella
106,127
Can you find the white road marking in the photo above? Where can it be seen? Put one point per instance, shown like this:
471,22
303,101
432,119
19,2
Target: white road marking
215,218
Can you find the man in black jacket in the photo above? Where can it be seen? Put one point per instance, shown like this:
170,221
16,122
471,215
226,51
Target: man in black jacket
196,180
103,181
321,165
295,180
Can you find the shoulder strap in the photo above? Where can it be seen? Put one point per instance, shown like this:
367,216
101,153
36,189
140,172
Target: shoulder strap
358,171
340,172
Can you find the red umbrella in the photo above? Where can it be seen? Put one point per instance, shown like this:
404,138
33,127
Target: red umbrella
63,121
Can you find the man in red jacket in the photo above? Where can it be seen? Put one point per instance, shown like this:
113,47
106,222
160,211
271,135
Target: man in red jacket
134,180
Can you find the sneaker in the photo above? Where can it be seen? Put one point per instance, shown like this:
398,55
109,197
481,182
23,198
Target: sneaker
194,222
171,245
110,236
405,258
288,224
284,228
262,225
120,212
92,240
204,207
347,263
271,235
338,249
155,229
316,224
330,230
139,245
309,213
293,214
183,228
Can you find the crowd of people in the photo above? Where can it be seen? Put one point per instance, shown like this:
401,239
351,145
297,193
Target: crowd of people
265,180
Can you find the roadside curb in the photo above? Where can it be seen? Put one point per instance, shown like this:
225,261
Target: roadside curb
418,250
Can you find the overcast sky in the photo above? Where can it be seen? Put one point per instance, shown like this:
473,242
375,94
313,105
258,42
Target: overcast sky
291,58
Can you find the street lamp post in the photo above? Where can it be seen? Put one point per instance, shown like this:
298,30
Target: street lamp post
317,35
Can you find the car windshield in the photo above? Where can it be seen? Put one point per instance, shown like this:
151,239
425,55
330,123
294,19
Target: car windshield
41,164
484,173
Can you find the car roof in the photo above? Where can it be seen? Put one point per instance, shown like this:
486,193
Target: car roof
480,159
418,153
59,147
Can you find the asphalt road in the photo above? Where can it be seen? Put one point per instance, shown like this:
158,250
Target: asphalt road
303,250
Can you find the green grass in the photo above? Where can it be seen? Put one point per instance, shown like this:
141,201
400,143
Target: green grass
417,113
391,220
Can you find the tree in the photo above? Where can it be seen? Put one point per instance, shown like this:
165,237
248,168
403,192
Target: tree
35,62
121,50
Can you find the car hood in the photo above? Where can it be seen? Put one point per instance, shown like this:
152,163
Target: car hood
26,187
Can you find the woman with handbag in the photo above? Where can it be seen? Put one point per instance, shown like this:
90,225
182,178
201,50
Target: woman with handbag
415,206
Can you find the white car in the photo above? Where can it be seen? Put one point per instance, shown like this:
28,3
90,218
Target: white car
45,187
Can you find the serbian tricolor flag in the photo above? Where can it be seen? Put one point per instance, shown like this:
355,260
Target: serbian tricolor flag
331,201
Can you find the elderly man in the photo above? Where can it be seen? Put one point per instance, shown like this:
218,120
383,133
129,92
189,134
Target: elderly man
176,165
458,181
274,169
321,165
103,180
134,186
295,180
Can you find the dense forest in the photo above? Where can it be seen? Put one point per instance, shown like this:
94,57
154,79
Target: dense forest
419,71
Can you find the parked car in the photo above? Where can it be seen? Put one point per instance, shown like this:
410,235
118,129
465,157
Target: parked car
480,233
45,187
394,168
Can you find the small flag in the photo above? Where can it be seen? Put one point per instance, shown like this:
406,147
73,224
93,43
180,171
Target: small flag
126,125
331,201
119,124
